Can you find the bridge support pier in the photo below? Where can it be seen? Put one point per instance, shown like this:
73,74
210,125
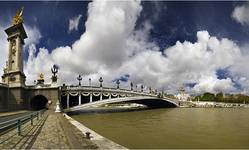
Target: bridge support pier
100,98
91,97
79,98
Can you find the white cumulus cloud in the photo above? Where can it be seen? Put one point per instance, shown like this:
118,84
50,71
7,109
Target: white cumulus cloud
111,47
74,23
241,14
4,48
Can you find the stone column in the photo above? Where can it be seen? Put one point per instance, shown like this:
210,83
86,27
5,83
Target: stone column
91,97
17,57
79,98
68,100
100,97
110,96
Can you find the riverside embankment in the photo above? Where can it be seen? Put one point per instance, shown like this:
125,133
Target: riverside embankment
99,140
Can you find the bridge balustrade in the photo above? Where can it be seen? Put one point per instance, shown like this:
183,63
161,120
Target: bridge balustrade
3,85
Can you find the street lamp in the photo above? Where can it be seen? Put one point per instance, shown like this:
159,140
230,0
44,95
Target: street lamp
100,81
150,90
90,84
131,86
117,82
54,71
79,78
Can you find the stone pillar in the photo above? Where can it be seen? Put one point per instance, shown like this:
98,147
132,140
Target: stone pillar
67,100
110,96
100,97
79,98
58,108
16,35
91,97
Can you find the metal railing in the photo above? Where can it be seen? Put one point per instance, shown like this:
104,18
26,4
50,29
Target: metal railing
17,123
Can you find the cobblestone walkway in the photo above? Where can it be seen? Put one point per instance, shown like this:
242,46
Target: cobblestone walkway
52,131
51,135
58,133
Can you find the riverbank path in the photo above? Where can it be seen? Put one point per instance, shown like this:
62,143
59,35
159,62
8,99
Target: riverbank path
58,133
52,131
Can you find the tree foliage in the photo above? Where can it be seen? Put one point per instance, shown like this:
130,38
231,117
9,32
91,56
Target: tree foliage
220,97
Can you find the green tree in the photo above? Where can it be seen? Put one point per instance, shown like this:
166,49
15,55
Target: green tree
208,97
219,97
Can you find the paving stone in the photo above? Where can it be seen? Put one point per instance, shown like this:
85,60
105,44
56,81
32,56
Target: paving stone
58,133
12,140
52,131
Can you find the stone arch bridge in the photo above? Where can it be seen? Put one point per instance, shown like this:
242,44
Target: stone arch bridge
80,97
76,97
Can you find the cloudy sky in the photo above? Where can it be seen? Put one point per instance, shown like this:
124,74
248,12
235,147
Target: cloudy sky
201,45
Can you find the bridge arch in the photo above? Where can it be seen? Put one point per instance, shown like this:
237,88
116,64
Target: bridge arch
150,102
154,103
38,102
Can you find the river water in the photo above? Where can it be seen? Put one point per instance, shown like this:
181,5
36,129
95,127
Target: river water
173,127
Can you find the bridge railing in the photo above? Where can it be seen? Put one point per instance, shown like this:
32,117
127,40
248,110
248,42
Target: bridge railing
97,88
2,84
18,123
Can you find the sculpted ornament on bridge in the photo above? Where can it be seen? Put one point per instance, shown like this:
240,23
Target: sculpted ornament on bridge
18,17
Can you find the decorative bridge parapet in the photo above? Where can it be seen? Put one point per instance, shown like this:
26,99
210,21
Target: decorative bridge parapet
3,85
72,96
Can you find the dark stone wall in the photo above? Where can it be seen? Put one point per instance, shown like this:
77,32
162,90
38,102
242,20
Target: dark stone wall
52,95
16,98
20,98
3,98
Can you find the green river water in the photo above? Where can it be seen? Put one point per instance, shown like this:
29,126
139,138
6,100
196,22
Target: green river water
173,127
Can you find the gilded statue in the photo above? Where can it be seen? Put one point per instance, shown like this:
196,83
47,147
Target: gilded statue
18,17
41,76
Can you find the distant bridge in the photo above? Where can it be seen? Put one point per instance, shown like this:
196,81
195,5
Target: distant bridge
81,97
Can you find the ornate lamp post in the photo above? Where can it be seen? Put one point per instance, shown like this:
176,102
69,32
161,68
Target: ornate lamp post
79,78
131,86
150,90
142,88
54,71
90,82
100,81
117,82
